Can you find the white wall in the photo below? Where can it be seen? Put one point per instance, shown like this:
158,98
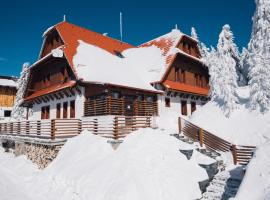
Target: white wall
79,106
175,104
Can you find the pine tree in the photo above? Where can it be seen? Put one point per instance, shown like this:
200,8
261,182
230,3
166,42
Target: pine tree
226,41
222,70
18,112
194,34
258,60
202,47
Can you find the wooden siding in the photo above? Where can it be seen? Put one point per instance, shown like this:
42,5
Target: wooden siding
189,46
52,72
52,41
185,70
7,96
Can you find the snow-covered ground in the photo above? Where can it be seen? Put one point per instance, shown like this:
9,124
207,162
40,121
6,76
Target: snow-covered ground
256,183
15,172
147,165
243,127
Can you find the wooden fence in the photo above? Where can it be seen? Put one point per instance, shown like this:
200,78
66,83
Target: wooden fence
116,106
241,154
52,129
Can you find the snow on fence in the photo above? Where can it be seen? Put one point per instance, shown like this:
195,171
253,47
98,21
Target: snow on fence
241,154
52,129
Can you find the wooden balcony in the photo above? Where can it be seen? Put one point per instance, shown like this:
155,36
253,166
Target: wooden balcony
120,106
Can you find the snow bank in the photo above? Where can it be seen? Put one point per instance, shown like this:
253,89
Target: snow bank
8,82
243,127
14,172
147,165
257,176
136,69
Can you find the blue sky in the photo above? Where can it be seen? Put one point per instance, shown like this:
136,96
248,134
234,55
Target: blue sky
23,22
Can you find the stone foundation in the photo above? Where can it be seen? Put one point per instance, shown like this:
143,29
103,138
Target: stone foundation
40,154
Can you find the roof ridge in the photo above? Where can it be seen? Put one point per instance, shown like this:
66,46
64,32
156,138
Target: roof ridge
89,30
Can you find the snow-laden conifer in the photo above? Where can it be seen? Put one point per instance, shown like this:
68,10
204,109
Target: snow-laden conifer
18,112
258,60
222,70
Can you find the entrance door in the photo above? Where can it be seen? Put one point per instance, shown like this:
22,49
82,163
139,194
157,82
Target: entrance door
129,105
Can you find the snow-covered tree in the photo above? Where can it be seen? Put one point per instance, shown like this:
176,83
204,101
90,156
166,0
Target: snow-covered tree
226,41
202,47
244,65
194,33
222,70
258,60
19,112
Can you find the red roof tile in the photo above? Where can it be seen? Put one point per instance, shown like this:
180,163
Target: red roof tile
186,88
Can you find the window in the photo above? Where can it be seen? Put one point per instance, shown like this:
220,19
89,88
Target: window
150,99
193,106
167,102
176,74
45,112
196,79
200,81
115,95
182,76
65,107
58,110
72,109
184,107
7,113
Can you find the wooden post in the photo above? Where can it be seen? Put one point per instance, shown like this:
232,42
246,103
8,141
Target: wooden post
116,128
27,113
233,150
19,127
95,126
179,125
122,106
38,127
53,129
201,137
148,119
27,127
94,107
11,127
79,126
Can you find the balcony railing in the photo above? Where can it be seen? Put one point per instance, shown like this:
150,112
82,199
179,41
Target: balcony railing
51,129
113,106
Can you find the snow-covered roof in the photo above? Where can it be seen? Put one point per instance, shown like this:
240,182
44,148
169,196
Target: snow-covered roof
136,69
8,81
168,45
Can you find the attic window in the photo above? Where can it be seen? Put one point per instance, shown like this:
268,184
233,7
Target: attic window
118,53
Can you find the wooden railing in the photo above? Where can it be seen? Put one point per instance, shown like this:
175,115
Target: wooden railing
53,129
113,106
241,154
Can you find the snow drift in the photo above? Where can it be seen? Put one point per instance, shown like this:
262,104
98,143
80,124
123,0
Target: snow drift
147,165
257,177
